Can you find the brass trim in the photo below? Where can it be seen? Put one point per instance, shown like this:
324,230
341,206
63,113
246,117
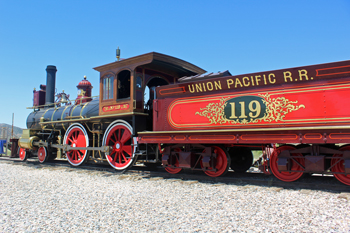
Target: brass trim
43,116
53,113
81,111
64,121
63,102
120,114
66,107
72,111
247,130
96,117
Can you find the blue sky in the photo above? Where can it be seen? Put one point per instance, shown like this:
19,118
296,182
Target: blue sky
241,36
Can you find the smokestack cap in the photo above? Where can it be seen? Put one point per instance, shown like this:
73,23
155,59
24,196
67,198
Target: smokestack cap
51,68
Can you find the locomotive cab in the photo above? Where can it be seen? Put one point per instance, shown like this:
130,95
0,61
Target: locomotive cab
127,87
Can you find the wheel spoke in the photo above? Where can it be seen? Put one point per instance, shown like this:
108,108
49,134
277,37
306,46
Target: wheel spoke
115,136
119,159
124,157
115,156
70,140
128,150
79,154
126,137
118,136
114,142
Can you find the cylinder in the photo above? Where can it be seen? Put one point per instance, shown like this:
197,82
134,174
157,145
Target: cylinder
50,85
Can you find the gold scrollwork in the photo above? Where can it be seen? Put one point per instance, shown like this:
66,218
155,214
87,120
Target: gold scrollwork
215,112
278,108
275,110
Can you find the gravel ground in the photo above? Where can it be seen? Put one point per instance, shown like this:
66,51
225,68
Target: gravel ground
46,199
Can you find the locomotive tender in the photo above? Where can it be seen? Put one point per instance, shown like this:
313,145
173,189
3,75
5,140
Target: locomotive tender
155,108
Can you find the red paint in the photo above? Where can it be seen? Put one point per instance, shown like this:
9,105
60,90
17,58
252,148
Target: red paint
317,105
339,167
287,176
76,138
119,138
22,154
42,154
221,163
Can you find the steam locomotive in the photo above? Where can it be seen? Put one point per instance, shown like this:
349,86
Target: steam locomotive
157,109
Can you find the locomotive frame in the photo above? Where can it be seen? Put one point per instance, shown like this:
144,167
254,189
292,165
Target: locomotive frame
199,121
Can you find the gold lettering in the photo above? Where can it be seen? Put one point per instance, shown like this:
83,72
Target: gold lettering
257,108
189,88
264,79
288,75
270,80
251,77
217,85
204,87
229,83
233,110
257,79
303,73
238,82
199,87
210,88
243,115
244,83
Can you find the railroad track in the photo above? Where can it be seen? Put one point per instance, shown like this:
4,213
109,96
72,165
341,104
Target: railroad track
314,182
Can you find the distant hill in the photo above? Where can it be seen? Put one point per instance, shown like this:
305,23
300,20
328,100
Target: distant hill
17,132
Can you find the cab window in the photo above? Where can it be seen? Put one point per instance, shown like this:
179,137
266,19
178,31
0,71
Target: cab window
123,85
107,87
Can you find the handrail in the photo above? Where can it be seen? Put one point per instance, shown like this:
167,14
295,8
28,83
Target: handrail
61,102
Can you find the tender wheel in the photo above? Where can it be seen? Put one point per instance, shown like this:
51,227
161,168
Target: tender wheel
118,136
173,159
241,158
294,166
23,154
339,166
76,136
42,154
222,163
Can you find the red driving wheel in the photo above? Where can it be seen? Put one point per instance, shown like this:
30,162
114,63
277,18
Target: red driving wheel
119,138
76,136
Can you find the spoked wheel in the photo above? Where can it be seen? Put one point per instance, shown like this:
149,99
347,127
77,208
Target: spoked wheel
76,136
294,165
173,159
241,158
23,154
42,154
339,166
222,163
118,136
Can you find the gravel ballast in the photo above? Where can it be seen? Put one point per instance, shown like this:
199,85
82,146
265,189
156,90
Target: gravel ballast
49,199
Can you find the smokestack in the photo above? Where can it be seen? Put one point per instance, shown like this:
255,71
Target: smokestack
50,85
